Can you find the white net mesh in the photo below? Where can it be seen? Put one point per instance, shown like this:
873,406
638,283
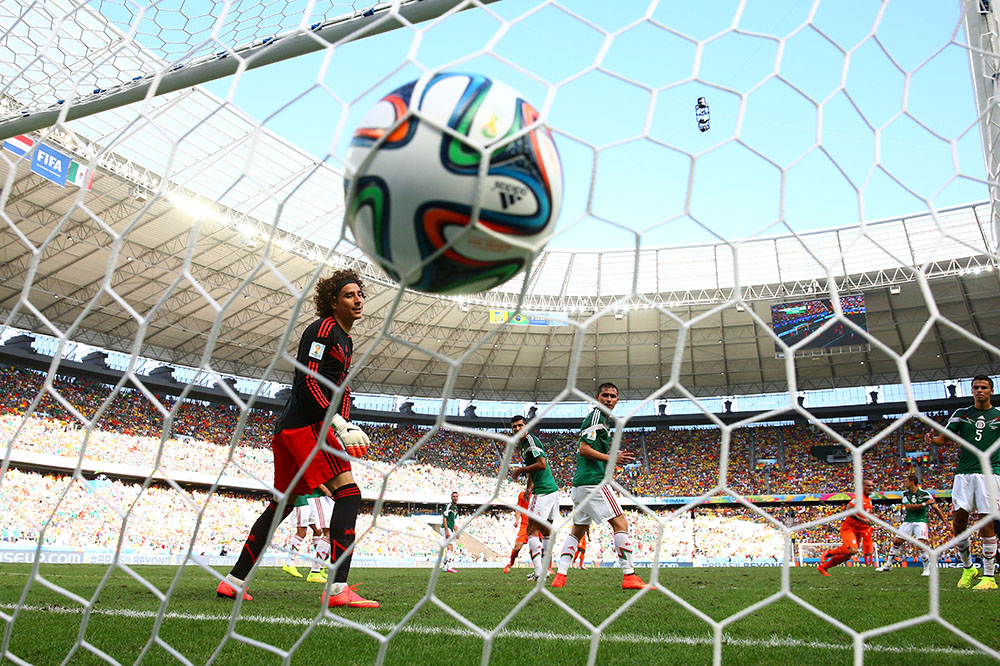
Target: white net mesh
845,156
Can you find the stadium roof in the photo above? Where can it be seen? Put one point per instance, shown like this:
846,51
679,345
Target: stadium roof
211,243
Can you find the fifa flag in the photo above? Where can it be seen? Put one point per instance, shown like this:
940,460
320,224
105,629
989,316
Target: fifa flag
19,145
50,164
79,175
498,316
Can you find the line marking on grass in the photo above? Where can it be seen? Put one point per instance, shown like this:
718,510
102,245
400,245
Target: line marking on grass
666,639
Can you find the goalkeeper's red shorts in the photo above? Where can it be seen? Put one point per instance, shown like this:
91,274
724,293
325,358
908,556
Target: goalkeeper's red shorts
292,448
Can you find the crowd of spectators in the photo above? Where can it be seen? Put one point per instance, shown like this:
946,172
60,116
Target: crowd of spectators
98,513
414,462
682,462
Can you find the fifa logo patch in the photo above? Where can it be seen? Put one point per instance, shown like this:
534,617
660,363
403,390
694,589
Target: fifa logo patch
490,128
316,350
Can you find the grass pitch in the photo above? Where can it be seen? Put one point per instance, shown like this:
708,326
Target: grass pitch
654,630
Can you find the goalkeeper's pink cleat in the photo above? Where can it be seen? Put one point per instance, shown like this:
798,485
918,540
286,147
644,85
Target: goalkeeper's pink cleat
227,591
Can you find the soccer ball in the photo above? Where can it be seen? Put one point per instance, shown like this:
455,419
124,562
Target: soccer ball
410,188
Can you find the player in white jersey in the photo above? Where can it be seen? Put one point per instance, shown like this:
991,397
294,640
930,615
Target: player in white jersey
306,519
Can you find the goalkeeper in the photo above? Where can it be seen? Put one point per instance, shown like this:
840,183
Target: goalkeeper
325,351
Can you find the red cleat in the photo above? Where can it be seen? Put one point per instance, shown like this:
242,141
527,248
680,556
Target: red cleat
227,591
349,598
559,580
822,570
633,582
506,569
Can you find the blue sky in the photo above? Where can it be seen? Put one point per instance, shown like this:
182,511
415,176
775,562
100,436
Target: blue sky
759,170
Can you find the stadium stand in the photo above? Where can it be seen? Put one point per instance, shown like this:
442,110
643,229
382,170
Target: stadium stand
681,462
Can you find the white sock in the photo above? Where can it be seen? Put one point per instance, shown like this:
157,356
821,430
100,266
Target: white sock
294,549
568,551
989,555
546,541
236,582
623,547
536,553
894,552
965,552
322,545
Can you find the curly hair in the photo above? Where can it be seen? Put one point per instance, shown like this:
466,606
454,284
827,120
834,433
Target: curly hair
329,288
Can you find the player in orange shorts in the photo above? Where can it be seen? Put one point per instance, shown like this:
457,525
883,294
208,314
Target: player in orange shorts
522,531
581,550
867,548
852,530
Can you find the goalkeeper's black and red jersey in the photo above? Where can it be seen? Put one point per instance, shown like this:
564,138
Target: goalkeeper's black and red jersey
326,350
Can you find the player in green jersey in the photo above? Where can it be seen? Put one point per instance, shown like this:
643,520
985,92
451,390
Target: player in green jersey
975,490
915,500
448,526
544,502
593,499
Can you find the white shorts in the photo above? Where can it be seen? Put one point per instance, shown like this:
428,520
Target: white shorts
321,508
969,492
545,506
303,516
916,531
603,506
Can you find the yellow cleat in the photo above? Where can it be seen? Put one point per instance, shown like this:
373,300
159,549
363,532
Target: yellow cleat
316,577
987,583
967,576
292,571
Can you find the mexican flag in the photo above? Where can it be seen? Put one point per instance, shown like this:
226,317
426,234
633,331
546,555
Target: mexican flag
79,175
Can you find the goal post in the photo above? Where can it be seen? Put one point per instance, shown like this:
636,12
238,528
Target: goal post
134,86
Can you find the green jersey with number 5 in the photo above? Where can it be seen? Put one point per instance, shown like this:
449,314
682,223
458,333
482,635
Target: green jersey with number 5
980,428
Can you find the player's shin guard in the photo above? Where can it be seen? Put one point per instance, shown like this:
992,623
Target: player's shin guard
989,555
259,537
964,549
536,553
347,504
623,548
568,551
322,545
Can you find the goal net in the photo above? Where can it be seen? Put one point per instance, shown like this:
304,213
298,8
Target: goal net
778,219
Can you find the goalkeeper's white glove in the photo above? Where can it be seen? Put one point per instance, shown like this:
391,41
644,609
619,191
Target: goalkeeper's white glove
353,438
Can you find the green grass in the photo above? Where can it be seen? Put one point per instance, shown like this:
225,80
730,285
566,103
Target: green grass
655,630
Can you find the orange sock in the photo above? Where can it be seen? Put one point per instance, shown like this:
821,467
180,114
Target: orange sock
838,558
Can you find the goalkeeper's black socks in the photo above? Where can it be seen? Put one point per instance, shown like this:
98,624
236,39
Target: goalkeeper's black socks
347,504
